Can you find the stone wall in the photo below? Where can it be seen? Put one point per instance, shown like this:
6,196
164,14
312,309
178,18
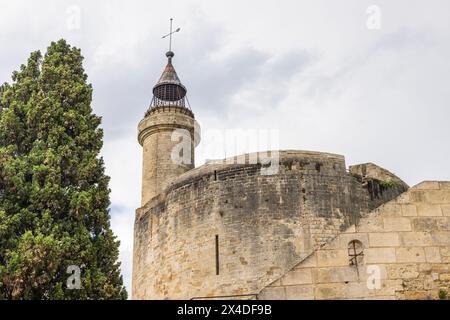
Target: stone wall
260,225
406,241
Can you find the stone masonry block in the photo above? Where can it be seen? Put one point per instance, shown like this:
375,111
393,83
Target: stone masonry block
445,185
438,196
389,287
416,196
273,293
309,262
379,255
409,210
403,198
427,185
335,274
428,210
391,210
300,292
371,224
445,210
397,224
330,291
356,290
330,258
444,277
424,224
445,251
402,271
297,277
432,254
410,254
418,239
441,238
384,239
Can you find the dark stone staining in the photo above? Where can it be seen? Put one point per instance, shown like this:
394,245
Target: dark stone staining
381,192
288,164
318,166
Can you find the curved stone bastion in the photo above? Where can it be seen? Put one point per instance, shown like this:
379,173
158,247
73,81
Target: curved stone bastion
226,229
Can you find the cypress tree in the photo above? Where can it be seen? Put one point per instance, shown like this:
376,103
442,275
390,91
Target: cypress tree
54,194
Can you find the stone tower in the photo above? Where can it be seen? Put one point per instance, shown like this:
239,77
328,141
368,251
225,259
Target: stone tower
168,134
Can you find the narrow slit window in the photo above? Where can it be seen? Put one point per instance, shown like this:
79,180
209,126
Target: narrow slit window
217,254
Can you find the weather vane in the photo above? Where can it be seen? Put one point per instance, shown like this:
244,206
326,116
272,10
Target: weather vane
170,34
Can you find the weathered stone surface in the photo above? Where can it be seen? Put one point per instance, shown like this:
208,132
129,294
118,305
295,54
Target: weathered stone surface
428,185
397,224
431,224
300,292
417,295
410,254
372,224
380,255
441,238
445,210
384,239
295,277
389,287
390,210
428,210
444,277
356,290
402,271
329,291
411,239
335,274
432,254
332,258
409,210
273,293
309,262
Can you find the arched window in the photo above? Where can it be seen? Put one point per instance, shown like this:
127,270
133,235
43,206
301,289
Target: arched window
355,253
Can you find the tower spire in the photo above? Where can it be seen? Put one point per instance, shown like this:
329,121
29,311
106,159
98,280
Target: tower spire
169,91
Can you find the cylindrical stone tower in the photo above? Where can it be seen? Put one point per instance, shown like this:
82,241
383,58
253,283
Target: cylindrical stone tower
168,134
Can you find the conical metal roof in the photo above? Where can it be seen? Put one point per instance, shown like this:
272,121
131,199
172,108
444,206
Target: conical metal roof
169,87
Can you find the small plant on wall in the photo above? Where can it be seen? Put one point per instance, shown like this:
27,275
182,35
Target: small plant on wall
443,294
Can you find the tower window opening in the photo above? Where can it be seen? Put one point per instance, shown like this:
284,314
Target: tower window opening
355,253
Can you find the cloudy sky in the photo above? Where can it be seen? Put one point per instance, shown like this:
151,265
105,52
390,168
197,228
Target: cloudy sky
366,79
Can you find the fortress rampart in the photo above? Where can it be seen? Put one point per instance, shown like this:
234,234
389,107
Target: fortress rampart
227,230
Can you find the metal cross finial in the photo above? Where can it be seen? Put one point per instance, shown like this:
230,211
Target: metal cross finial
170,34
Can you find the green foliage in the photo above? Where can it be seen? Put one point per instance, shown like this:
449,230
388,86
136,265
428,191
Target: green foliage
389,183
54,194
443,295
